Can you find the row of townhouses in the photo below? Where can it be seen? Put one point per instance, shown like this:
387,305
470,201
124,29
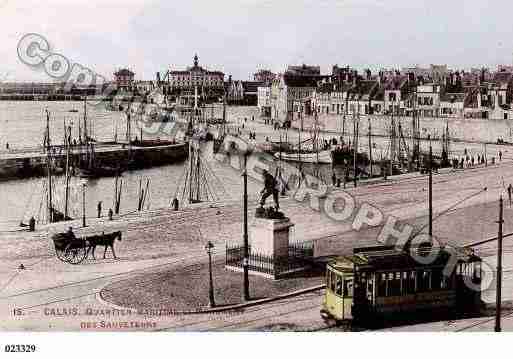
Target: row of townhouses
431,92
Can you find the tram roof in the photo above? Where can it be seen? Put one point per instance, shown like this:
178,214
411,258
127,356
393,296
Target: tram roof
389,258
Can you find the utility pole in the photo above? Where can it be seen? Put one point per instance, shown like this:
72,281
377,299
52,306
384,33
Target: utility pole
355,146
370,147
246,241
83,206
499,270
430,189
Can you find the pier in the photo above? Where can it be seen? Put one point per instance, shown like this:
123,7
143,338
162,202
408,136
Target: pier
32,162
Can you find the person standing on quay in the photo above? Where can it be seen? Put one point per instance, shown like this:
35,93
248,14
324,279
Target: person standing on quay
510,189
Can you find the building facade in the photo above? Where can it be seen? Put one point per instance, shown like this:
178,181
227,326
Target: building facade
124,79
209,84
264,76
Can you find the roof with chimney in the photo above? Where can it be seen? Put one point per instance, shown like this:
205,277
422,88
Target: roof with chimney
299,81
452,97
251,86
502,78
124,72
363,90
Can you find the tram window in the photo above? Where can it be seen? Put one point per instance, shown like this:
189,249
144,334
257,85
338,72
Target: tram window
381,284
348,288
333,281
338,290
394,284
476,278
423,280
447,282
409,282
436,279
370,289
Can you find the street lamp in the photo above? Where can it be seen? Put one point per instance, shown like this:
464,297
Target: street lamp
245,261
83,205
209,247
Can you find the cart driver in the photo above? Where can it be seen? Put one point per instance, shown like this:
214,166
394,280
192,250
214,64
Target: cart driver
70,234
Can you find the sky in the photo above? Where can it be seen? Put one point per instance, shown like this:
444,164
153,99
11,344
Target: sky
240,37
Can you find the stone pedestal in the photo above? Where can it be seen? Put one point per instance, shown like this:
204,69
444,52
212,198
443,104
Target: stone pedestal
270,237
271,255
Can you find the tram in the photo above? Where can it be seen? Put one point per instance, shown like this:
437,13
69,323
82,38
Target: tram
381,283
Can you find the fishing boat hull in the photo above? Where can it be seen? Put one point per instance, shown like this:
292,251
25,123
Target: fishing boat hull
309,157
99,172
345,156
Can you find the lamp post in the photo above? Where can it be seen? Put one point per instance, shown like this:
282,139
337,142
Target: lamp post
83,205
209,247
245,262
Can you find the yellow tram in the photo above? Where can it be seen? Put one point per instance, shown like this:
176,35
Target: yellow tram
382,282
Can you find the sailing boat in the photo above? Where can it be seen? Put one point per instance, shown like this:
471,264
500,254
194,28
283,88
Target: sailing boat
52,214
218,142
89,166
198,182
310,153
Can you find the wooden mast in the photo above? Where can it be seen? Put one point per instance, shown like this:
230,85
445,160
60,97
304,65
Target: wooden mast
67,139
49,169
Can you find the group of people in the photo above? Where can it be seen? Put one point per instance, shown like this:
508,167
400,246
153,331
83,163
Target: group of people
468,160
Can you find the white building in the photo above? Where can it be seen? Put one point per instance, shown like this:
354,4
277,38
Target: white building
264,100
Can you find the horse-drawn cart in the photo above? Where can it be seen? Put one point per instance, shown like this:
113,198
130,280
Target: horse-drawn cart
70,249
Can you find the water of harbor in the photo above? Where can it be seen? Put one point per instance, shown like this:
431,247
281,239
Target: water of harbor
22,125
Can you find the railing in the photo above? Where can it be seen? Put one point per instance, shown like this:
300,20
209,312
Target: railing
299,256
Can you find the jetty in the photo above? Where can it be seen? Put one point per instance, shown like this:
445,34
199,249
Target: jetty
31,162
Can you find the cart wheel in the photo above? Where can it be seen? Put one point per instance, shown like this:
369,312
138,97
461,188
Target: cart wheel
61,254
75,254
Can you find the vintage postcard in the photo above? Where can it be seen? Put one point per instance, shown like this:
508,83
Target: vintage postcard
255,166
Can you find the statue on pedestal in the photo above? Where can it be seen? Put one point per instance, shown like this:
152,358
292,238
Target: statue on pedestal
270,188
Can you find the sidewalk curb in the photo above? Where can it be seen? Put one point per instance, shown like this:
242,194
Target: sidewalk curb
220,309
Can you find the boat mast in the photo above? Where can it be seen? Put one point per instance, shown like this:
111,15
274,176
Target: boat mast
67,138
85,119
49,169
370,146
355,141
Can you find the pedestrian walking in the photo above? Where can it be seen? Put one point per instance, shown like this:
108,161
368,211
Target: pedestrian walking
500,155
32,221
510,189
99,208
174,204
334,179
110,214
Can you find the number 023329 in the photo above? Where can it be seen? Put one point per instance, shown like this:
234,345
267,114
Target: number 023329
19,348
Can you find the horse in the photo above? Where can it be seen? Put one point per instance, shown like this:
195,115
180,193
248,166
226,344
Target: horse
106,240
